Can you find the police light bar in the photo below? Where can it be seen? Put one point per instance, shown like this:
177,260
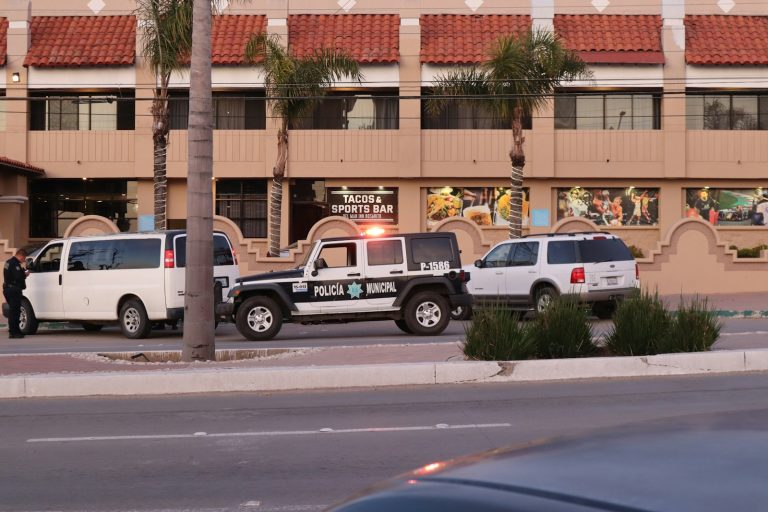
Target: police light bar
375,231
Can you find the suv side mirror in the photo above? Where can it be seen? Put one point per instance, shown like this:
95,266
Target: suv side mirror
479,263
30,264
317,265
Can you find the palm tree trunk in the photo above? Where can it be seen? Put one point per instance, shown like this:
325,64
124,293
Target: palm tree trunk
276,197
199,342
517,156
160,142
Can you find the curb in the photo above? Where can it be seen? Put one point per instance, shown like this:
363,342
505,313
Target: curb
374,375
721,313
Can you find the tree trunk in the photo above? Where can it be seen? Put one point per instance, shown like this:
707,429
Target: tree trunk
517,156
160,126
199,342
160,180
276,197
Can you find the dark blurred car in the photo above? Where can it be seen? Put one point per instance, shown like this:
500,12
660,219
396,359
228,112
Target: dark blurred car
710,464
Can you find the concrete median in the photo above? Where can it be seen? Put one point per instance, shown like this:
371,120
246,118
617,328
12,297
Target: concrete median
222,380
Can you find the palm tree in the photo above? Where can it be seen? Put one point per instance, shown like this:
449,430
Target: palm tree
166,43
519,77
293,85
199,343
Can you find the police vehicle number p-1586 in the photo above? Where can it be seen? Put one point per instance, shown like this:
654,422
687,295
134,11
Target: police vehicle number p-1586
435,265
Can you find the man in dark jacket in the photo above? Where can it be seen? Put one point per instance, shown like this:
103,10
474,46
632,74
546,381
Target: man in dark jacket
14,277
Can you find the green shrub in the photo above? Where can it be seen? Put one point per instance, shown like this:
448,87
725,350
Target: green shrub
640,326
494,334
749,252
563,330
636,251
695,327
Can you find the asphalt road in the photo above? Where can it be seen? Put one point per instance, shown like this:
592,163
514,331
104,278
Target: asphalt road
270,452
736,334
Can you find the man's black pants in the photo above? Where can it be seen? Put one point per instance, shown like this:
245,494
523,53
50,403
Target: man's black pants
13,298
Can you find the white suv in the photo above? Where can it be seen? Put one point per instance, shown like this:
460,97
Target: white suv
526,273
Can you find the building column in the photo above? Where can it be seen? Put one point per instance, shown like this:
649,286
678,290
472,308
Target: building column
673,122
16,120
143,144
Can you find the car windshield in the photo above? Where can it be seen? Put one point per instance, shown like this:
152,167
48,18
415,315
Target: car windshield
306,256
600,250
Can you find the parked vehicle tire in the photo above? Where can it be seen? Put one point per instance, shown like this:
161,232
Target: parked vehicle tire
403,326
134,321
28,323
92,327
259,319
427,314
604,310
461,313
544,297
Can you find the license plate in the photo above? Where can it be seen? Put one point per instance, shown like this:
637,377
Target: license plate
613,280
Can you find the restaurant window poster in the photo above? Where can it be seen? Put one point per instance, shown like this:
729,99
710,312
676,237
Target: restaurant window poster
727,206
486,206
630,206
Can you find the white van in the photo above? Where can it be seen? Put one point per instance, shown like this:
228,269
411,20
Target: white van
135,279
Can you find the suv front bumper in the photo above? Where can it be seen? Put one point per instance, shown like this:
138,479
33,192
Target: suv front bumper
224,310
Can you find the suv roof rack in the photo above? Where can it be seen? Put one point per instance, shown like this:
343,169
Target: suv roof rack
572,233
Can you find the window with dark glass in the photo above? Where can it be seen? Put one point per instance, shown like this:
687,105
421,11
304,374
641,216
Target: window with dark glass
726,111
232,110
353,111
114,254
428,250
468,114
50,259
559,253
66,110
526,254
222,252
54,204
385,252
244,202
498,257
609,111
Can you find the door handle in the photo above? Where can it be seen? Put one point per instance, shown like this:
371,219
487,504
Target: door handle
499,273
59,279
531,271
357,274
396,272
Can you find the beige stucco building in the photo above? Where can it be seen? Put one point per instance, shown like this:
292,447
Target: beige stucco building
673,124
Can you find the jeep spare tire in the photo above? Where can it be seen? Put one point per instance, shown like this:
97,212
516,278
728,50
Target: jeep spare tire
259,319
427,314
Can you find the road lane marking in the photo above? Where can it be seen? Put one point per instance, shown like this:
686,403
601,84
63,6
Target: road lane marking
273,433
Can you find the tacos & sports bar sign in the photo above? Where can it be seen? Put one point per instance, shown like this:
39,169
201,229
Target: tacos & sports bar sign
374,204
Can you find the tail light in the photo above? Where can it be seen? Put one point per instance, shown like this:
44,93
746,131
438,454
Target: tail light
169,259
234,256
637,271
462,276
577,275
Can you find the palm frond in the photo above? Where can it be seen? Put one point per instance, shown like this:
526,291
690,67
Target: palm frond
167,35
463,86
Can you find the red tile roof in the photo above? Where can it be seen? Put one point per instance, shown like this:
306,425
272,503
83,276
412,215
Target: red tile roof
712,40
230,34
609,39
82,41
368,38
3,40
17,166
460,39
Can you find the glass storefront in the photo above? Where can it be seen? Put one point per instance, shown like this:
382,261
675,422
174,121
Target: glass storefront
55,203
244,202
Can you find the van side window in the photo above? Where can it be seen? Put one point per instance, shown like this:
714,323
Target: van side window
126,254
222,253
50,259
